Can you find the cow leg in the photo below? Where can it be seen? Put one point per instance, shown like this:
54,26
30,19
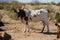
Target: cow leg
47,27
22,19
26,23
47,24
43,26
58,34
58,31
26,27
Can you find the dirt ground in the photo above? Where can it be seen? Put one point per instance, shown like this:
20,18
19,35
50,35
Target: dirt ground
15,30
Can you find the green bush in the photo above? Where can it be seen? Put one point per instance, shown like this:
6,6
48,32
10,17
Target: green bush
0,17
13,15
1,7
57,17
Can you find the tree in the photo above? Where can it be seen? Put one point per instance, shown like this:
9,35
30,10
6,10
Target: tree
58,4
53,3
35,2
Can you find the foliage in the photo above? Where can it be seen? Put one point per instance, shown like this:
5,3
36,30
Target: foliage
0,17
53,3
57,17
58,4
13,15
9,6
1,7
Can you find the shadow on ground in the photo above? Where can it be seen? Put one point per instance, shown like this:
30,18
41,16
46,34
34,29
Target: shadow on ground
6,37
50,33
1,30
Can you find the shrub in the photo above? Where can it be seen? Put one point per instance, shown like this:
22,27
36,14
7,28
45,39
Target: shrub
1,7
0,17
57,17
13,15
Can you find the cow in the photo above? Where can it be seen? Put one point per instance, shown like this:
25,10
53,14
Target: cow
58,30
29,15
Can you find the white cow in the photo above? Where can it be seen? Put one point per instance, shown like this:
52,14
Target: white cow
34,15
37,15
